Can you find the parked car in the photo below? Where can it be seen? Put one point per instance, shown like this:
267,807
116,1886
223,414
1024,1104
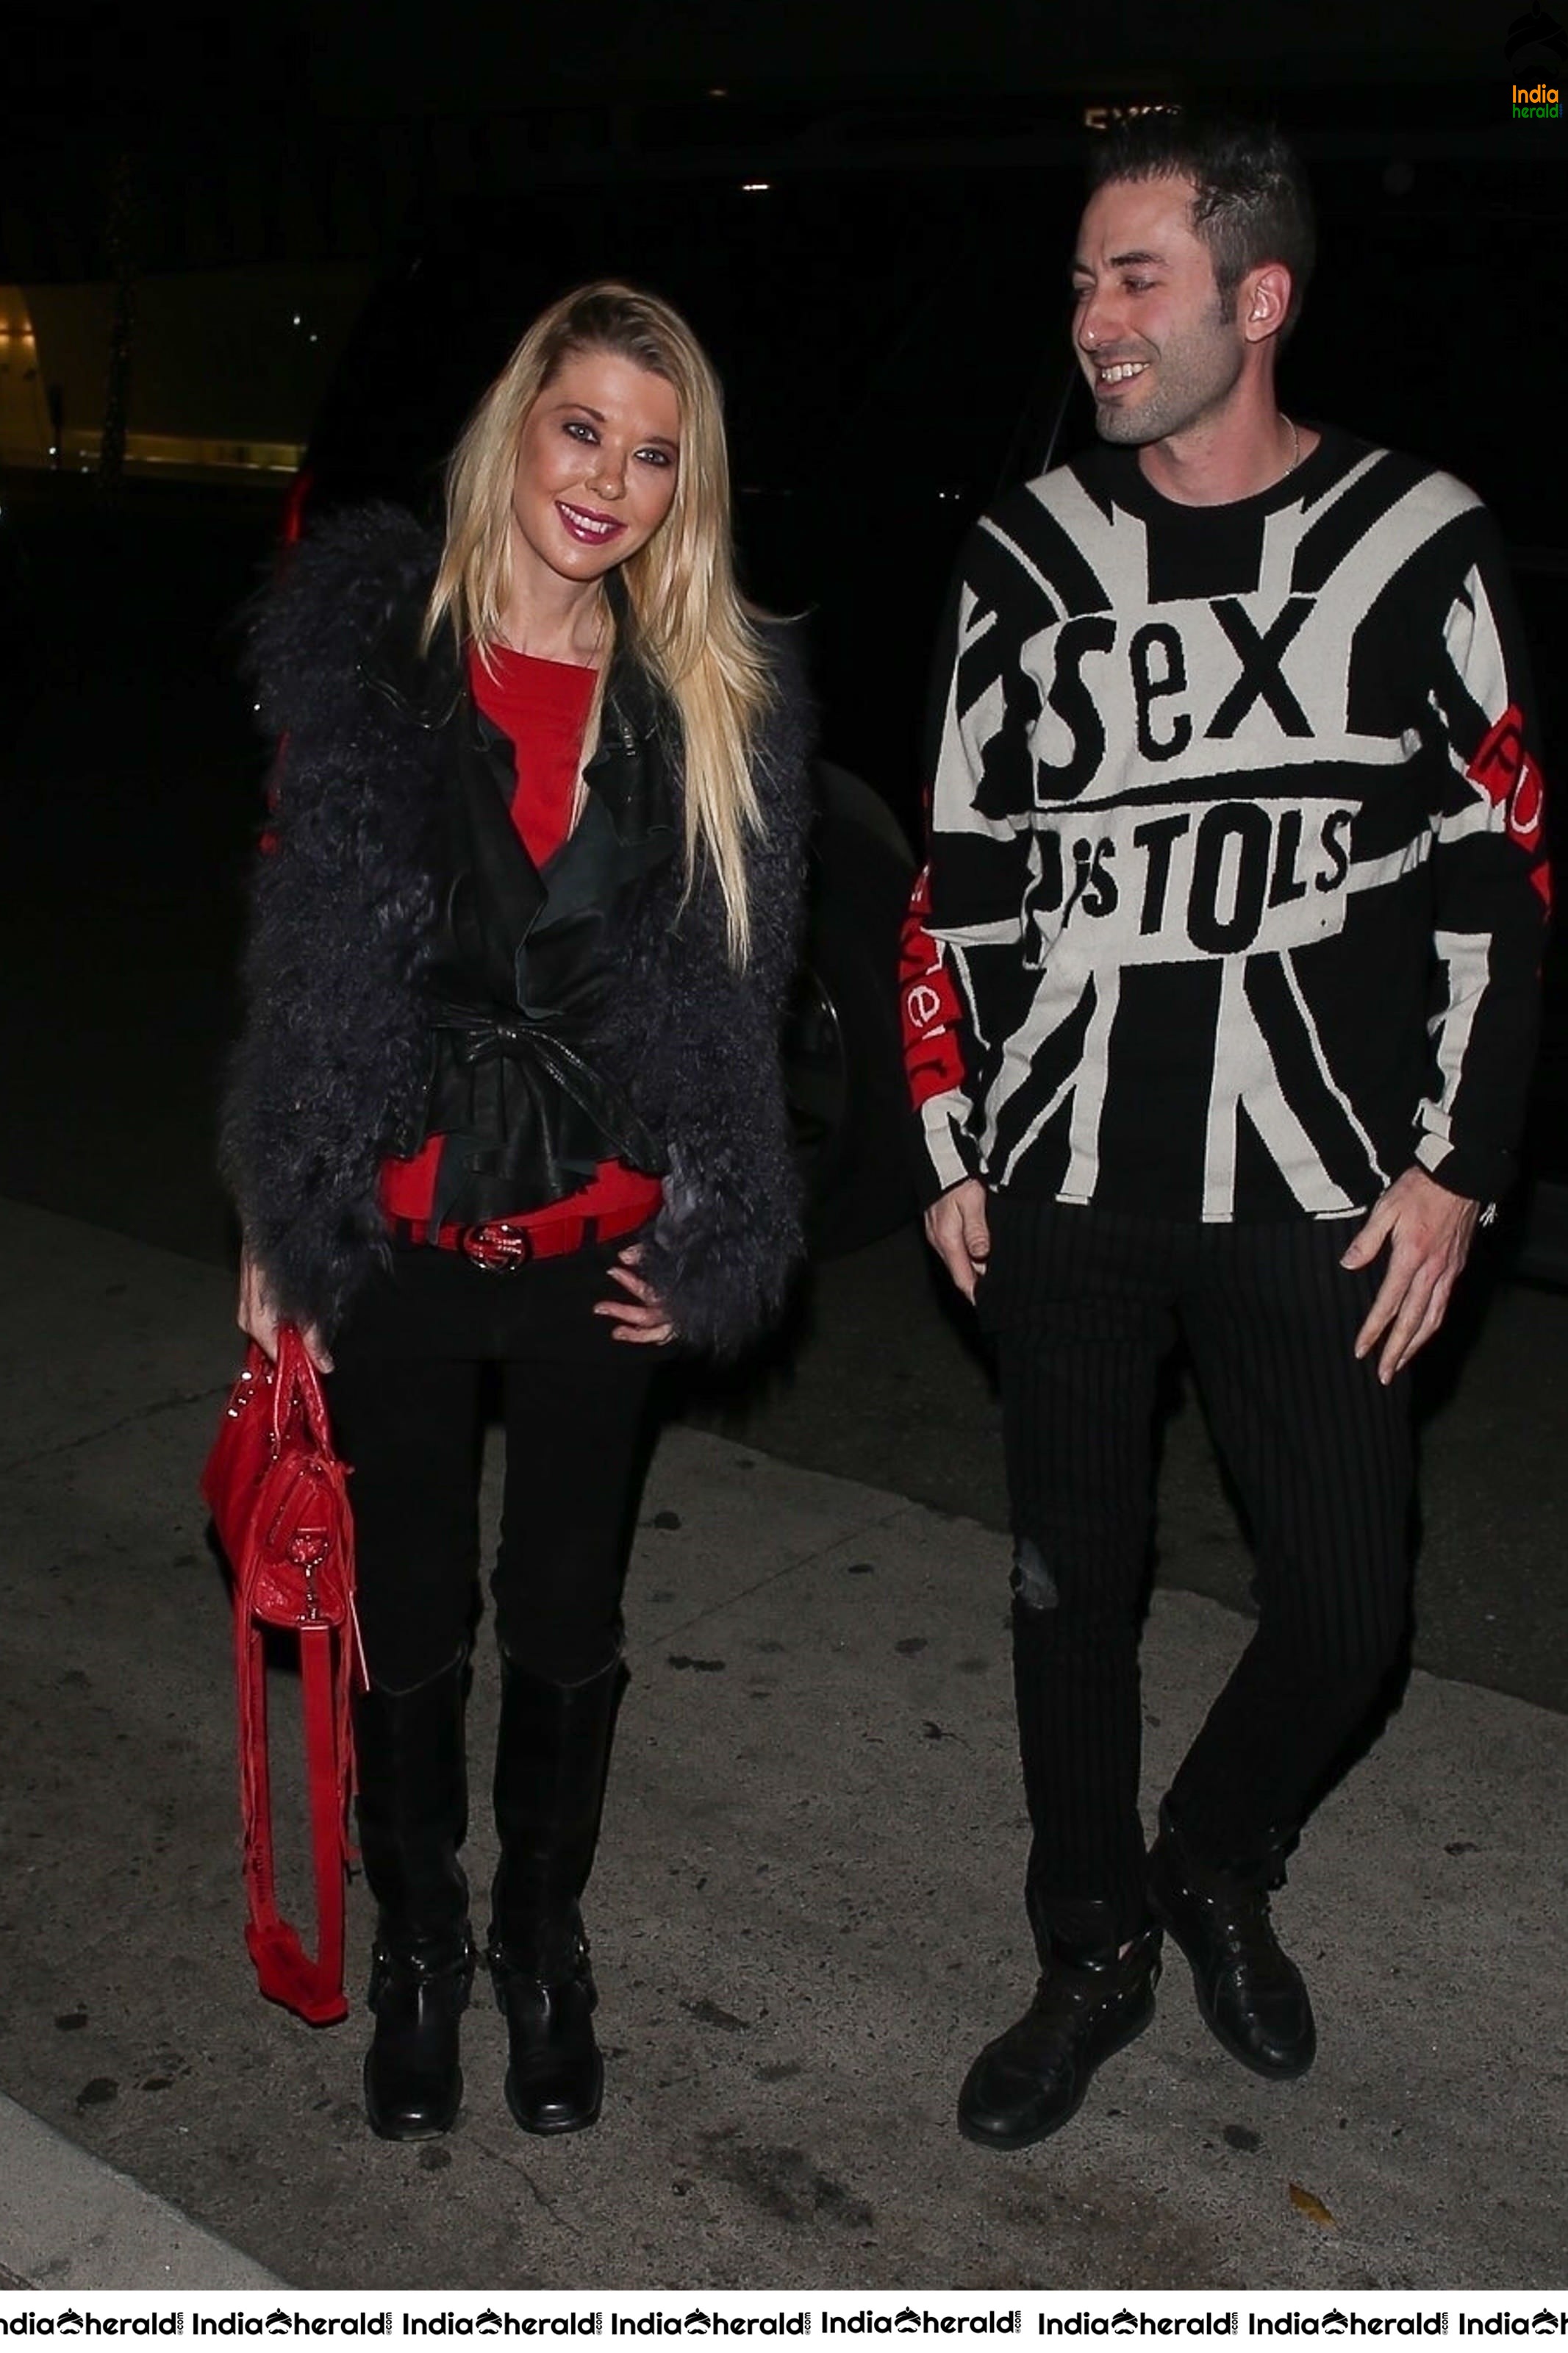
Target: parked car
891,327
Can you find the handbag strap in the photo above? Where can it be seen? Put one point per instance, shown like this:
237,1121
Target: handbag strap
314,1990
296,1387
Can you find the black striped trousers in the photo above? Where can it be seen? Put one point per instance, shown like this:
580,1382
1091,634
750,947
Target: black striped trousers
1083,1304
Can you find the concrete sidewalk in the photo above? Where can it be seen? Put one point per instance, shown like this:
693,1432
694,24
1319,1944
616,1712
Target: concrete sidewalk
72,2221
805,1918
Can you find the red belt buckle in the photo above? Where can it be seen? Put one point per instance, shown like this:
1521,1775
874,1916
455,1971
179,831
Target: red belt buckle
498,1248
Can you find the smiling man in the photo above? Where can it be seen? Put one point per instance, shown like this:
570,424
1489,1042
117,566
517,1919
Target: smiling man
1219,994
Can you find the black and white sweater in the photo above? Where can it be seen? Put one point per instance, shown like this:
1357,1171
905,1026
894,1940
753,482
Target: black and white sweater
1237,876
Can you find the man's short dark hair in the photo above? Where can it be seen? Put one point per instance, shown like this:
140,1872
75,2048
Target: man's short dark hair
1251,202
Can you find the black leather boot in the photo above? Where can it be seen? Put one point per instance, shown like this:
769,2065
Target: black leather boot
413,1814
551,1763
1090,2001
1250,1995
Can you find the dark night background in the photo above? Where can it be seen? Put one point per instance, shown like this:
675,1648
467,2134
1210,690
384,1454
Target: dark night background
297,128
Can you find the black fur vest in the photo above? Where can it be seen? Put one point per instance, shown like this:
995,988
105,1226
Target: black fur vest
330,1069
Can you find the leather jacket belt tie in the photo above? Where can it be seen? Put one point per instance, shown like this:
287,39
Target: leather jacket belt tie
527,1119
474,1041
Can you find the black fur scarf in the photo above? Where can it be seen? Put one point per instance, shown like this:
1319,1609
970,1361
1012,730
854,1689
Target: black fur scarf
328,1073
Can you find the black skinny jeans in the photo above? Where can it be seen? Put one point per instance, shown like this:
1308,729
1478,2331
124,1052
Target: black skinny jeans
1084,1304
405,1404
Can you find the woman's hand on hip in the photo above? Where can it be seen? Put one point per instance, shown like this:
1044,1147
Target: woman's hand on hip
259,1319
641,1317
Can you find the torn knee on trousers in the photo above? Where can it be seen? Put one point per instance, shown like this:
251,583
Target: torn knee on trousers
1034,1586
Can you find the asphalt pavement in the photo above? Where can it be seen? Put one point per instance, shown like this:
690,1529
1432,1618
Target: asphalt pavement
805,1918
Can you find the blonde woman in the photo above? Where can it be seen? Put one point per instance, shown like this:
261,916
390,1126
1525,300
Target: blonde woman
508,1093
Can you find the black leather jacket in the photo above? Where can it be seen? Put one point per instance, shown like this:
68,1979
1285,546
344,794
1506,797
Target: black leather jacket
522,974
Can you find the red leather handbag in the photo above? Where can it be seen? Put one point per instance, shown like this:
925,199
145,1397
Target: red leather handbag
279,1497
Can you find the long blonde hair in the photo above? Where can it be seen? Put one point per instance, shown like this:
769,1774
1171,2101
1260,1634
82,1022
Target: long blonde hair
686,622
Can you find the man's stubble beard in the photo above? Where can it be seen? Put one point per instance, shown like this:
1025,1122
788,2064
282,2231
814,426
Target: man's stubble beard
1197,374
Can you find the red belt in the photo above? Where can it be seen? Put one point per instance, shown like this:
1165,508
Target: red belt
500,1247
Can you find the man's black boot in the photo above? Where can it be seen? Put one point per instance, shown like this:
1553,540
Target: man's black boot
1092,2000
1250,1995
551,1763
413,1813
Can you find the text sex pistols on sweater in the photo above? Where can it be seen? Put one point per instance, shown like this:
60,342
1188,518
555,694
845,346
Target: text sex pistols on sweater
1237,877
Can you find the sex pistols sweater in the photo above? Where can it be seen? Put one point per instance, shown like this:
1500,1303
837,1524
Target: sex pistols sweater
1238,878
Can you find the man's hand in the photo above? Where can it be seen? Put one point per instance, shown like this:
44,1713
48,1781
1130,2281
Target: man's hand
957,1230
259,1319
1428,1235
